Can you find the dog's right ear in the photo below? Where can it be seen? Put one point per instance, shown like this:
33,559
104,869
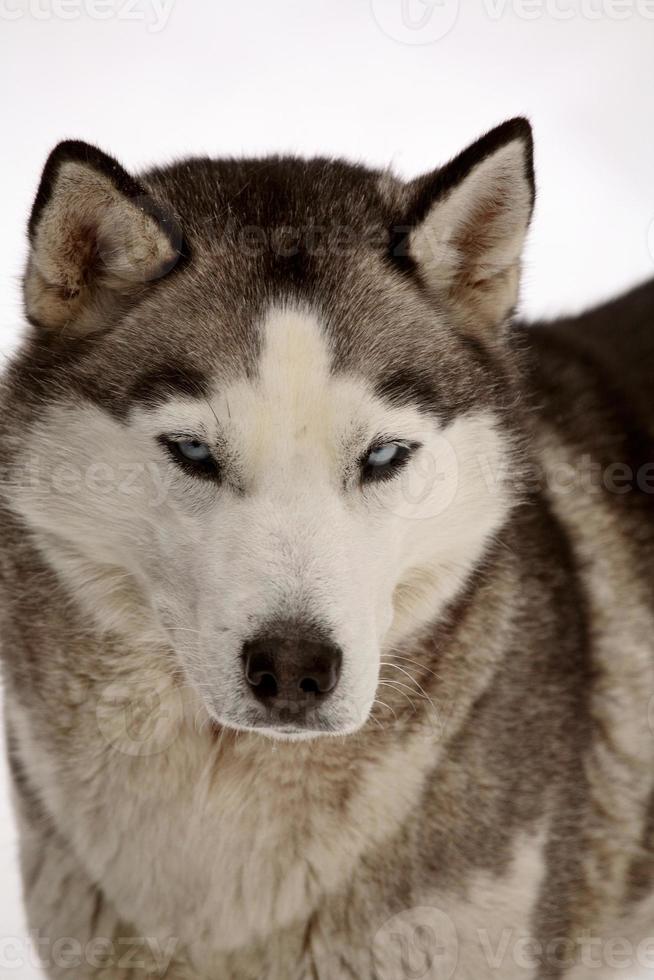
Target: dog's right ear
96,237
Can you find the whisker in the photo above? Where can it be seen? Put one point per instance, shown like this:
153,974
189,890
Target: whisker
419,686
396,656
384,705
416,693
446,685
392,685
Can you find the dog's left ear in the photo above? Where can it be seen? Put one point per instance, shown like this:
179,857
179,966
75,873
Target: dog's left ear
468,222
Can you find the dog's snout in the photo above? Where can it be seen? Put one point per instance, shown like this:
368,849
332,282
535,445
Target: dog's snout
291,669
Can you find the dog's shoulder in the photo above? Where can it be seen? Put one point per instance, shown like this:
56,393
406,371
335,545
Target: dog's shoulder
600,360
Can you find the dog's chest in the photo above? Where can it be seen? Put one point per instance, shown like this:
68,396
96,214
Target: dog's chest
257,867
481,930
267,876
236,851
221,846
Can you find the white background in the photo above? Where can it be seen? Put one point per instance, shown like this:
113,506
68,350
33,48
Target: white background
389,81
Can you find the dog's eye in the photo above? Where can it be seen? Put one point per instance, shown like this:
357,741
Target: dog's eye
197,452
384,459
192,455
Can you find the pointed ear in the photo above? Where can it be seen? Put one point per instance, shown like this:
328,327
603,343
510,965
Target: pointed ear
96,237
468,223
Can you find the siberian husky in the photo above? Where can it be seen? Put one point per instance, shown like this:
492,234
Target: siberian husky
326,588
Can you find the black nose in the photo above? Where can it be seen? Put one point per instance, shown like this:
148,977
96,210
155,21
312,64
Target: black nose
297,668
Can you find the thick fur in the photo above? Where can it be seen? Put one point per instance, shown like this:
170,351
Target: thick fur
475,799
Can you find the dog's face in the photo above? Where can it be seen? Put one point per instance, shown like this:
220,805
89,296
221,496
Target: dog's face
263,416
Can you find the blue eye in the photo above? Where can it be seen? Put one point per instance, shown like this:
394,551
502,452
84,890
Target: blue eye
385,459
192,455
196,451
383,455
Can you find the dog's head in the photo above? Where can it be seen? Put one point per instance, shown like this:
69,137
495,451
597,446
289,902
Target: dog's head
264,411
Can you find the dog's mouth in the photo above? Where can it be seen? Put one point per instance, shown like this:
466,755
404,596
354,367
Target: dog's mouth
291,722
279,734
